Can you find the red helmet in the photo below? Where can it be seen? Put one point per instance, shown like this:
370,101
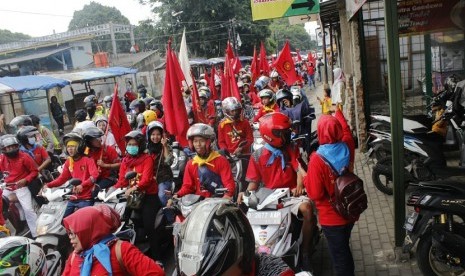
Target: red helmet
275,129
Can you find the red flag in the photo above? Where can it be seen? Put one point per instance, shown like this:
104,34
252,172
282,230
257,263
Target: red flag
311,58
195,99
175,112
211,83
285,65
225,91
118,122
229,51
299,57
264,66
178,69
236,62
231,81
254,67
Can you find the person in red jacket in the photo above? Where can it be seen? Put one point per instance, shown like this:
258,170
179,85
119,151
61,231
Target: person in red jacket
105,157
268,99
276,165
77,166
319,182
140,162
208,170
20,171
97,251
206,113
346,136
235,134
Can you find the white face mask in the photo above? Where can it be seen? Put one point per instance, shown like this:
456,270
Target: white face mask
31,140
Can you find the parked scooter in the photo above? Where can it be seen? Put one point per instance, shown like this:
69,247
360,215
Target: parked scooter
437,227
423,160
277,231
179,163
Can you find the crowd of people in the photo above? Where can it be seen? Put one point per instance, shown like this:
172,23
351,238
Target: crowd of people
94,158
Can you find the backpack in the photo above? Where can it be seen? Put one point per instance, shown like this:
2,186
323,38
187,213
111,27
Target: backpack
349,199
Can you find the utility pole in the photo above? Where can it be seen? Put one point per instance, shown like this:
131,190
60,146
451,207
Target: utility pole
233,22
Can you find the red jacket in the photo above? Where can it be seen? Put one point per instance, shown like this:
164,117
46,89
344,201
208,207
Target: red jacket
109,156
273,176
143,165
207,115
262,112
40,155
135,263
20,167
84,169
230,135
191,182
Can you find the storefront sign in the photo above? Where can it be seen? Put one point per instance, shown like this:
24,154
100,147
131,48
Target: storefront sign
427,16
267,9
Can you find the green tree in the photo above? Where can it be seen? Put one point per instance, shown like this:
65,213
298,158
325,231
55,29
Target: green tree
296,34
95,14
7,36
209,25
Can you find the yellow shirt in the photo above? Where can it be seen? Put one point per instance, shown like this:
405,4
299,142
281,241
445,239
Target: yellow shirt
326,105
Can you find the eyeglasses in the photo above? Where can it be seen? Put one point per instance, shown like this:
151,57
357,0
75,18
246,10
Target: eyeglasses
71,234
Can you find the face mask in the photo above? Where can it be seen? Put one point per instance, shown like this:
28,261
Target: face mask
12,153
31,140
132,150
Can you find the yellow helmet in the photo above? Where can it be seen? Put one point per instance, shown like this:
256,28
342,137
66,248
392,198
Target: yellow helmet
149,116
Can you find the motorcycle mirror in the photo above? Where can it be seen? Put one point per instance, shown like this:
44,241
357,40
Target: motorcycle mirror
75,181
130,175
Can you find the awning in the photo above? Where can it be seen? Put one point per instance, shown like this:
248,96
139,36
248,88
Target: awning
94,74
26,83
32,56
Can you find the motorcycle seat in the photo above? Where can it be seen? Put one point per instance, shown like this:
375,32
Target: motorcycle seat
449,185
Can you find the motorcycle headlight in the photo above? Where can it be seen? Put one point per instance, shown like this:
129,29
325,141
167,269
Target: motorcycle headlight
42,230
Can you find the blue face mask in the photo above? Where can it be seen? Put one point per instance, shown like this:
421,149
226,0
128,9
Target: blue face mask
132,150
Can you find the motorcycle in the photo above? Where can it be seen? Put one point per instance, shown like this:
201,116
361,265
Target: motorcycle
13,213
277,231
50,231
423,160
437,227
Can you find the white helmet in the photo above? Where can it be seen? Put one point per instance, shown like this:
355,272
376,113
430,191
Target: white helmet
22,254
274,74
240,84
229,104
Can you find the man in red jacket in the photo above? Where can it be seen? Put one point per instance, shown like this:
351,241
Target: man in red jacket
19,170
206,113
276,166
77,166
208,170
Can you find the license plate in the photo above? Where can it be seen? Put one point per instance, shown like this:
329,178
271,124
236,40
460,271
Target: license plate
410,221
264,218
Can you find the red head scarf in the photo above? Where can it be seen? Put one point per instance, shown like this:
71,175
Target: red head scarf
91,224
329,130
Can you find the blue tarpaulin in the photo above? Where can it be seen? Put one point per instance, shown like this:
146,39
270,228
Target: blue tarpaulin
94,74
26,83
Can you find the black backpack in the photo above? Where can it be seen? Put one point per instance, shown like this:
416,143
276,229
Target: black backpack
349,198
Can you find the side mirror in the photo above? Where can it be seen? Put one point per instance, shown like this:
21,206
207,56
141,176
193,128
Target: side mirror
130,175
75,181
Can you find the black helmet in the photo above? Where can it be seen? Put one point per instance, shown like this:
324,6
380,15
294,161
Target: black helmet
90,133
138,104
35,119
80,115
90,105
74,136
24,133
283,94
139,137
214,237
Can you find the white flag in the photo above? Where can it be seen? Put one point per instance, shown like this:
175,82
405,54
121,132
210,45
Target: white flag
184,59
239,41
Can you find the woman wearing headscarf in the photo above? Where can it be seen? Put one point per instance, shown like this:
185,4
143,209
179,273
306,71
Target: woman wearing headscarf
97,251
338,88
319,184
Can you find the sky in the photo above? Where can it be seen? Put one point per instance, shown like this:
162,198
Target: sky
43,17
